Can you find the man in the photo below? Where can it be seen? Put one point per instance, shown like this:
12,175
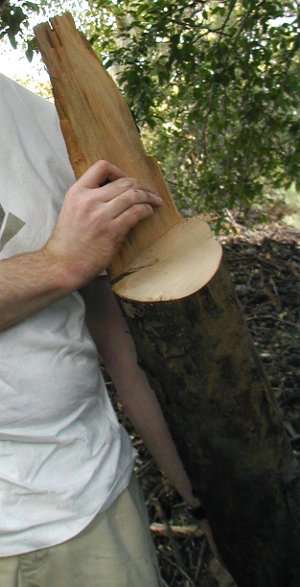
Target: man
71,512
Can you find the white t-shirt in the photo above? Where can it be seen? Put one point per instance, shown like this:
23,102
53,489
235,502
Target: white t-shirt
63,455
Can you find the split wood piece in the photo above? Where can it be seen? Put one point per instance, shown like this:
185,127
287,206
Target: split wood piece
194,347
97,124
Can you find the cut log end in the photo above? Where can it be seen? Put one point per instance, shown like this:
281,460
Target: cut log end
175,266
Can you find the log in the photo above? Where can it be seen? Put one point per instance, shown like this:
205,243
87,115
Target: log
191,338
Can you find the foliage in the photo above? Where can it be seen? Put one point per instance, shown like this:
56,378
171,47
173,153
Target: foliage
38,87
213,85
219,82
19,17
15,21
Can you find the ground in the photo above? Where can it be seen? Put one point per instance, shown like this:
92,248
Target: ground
264,263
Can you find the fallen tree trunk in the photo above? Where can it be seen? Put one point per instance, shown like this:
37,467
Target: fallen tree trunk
191,338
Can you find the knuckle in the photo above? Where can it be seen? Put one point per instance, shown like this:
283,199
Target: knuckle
77,192
72,191
136,211
139,212
135,196
128,182
84,205
102,167
125,183
102,164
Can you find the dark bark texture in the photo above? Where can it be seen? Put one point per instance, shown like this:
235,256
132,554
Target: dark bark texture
201,361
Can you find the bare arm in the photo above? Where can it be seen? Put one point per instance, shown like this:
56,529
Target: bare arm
92,224
117,349
28,283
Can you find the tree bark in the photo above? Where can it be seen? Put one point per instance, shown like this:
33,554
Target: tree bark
201,361
191,339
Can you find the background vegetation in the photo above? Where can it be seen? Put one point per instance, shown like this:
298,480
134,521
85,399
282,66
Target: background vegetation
213,85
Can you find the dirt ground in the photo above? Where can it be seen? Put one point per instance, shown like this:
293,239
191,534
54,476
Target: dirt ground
264,263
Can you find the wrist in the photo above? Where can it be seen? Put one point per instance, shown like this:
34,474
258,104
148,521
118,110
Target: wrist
61,277
198,512
195,506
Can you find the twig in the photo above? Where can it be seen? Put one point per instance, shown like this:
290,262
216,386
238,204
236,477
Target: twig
200,561
192,530
182,570
275,319
169,534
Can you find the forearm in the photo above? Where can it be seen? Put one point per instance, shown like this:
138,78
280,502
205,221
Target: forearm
29,283
117,349
144,411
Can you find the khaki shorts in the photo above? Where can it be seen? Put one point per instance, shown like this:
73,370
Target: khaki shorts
115,550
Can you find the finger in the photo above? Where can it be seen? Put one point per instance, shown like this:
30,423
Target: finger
133,198
131,217
99,173
121,186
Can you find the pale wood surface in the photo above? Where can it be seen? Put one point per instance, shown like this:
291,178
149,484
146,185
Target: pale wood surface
97,124
176,265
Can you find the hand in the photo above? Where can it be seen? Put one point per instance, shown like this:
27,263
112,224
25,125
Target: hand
94,221
198,512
